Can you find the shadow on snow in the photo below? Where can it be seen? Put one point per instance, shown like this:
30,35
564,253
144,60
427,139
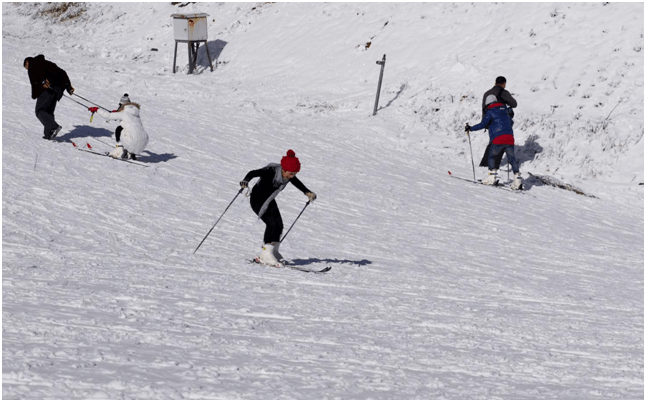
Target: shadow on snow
309,261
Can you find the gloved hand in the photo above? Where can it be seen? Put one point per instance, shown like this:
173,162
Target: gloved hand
70,90
93,109
311,196
244,184
467,128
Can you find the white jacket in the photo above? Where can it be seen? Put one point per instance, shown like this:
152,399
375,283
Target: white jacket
133,137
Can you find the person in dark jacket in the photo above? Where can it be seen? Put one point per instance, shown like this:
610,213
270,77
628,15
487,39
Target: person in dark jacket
273,179
501,138
504,97
48,81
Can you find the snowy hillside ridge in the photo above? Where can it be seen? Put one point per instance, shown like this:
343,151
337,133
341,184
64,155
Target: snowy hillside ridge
577,70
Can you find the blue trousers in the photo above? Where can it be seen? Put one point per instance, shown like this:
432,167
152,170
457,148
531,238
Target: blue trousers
495,155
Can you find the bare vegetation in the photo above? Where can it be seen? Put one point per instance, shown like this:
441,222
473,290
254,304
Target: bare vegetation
62,12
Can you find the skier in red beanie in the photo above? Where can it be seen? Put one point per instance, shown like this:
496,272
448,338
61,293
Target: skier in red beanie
273,179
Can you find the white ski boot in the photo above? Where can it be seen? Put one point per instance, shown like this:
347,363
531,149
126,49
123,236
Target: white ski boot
267,256
118,152
492,178
517,184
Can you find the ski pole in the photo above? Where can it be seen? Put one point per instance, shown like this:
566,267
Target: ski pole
87,100
216,222
472,164
70,98
299,215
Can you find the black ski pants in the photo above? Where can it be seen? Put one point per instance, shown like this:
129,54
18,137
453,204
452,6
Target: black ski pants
272,219
45,107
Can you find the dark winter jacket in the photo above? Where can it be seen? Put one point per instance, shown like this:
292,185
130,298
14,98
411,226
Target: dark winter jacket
499,123
502,95
41,70
270,182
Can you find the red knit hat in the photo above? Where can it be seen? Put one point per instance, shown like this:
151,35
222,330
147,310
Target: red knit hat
290,162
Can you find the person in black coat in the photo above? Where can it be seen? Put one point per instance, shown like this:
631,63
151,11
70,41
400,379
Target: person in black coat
503,96
273,179
48,81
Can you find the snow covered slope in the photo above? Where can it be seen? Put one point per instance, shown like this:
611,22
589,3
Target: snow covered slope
440,289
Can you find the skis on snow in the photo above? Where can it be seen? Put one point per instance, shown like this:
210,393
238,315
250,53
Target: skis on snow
500,186
293,266
92,151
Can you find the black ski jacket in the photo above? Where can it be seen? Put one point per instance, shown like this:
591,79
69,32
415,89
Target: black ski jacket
503,97
266,186
41,70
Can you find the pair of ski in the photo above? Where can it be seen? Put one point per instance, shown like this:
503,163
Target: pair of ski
500,186
92,151
289,265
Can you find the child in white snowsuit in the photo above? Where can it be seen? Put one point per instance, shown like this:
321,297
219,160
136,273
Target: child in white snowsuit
133,138
273,179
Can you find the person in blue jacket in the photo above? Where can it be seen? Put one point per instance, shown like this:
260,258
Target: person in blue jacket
501,136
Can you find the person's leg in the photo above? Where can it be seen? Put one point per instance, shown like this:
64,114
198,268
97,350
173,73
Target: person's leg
511,157
117,133
517,184
492,177
274,223
495,156
45,106
273,230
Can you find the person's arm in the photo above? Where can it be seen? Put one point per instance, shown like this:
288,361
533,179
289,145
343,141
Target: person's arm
37,80
483,124
509,100
299,185
67,84
253,174
110,116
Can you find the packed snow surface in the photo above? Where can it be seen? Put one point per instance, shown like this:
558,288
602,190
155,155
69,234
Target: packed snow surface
439,288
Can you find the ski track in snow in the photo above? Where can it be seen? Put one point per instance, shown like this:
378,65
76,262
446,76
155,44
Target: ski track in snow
439,289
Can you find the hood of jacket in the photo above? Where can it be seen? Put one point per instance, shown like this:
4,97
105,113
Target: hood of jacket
131,108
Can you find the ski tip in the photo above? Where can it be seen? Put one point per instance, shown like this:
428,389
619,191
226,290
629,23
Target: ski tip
450,174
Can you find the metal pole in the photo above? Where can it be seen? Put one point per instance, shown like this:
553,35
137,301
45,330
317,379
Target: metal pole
472,164
190,66
175,58
381,75
299,215
70,98
206,44
195,48
95,104
216,222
